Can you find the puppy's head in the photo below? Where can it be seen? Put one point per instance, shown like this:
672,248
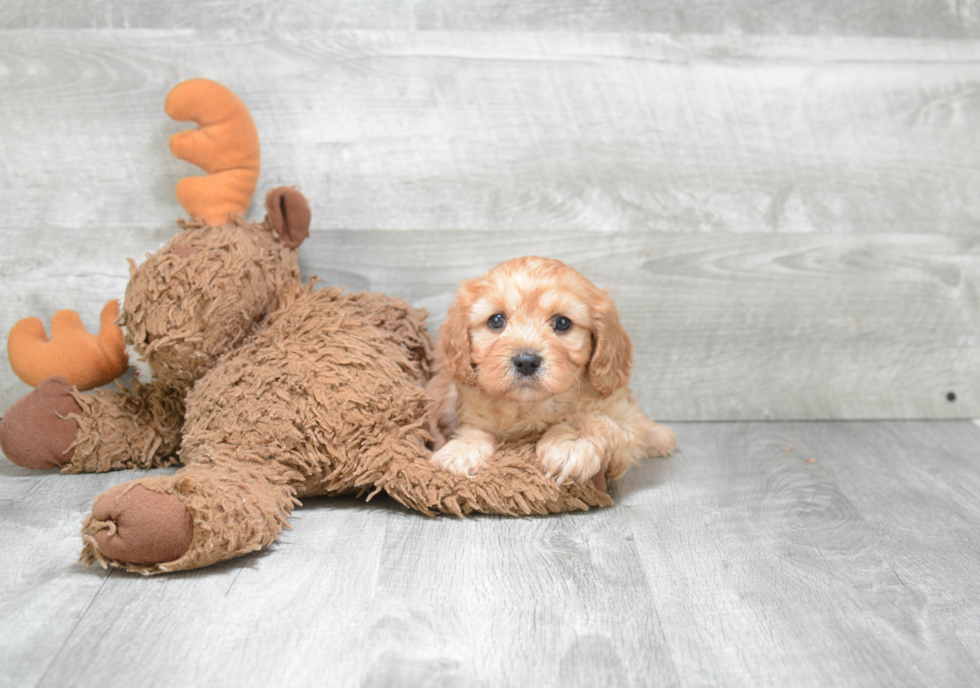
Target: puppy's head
533,328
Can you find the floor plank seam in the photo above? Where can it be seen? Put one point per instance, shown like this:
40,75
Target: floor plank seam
71,634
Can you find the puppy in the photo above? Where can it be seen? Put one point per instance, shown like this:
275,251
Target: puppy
534,347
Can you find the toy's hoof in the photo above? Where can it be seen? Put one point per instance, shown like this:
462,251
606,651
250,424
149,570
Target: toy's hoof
135,525
36,432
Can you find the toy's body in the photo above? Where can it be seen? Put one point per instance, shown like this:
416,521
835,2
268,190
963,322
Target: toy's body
268,391
287,391
291,413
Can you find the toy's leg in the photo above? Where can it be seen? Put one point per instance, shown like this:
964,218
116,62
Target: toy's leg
138,428
56,427
198,516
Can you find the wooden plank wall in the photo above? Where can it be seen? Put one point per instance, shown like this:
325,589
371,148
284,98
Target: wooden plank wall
783,198
903,18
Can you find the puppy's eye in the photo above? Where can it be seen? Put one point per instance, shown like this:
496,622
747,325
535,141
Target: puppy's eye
497,321
562,324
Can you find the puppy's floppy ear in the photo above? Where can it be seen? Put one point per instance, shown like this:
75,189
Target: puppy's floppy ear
612,352
454,343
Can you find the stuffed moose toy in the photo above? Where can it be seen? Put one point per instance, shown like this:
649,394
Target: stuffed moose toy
264,388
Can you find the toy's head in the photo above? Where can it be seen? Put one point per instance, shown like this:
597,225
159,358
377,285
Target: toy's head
204,291
209,287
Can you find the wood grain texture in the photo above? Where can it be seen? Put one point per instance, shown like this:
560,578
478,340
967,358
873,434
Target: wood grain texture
921,506
372,595
509,131
558,584
771,569
737,562
286,616
42,599
909,18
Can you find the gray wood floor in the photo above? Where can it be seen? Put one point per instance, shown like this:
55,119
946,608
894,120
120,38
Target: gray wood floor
738,562
784,198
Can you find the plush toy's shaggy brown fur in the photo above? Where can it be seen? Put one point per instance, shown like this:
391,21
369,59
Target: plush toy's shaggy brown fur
268,391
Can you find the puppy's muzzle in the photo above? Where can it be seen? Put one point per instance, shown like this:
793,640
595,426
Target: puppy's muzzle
526,363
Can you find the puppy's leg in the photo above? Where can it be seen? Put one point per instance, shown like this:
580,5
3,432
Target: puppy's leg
442,421
582,446
565,454
653,439
589,442
646,439
467,453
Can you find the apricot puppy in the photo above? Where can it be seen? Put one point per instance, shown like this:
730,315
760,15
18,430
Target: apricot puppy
534,347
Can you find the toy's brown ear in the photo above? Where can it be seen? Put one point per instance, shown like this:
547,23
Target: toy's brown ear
453,344
289,214
612,355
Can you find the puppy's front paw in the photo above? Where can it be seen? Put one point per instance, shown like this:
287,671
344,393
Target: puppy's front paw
567,456
465,455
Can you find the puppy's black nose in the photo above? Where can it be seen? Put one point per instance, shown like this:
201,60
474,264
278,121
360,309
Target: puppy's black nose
526,363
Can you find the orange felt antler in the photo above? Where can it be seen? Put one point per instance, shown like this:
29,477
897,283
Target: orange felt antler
226,147
86,360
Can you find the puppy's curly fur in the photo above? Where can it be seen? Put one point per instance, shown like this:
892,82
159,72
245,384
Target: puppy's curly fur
534,347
